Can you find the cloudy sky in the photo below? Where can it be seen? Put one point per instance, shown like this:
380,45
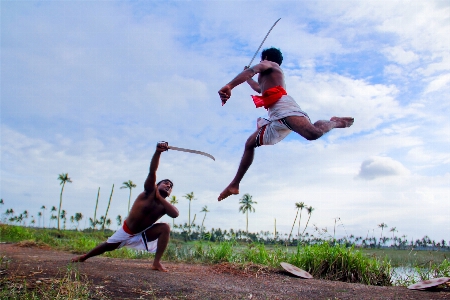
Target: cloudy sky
89,87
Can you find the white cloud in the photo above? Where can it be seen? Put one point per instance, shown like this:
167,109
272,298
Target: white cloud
378,167
438,83
400,56
88,88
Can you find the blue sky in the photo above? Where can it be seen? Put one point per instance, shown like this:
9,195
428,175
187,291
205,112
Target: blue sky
89,87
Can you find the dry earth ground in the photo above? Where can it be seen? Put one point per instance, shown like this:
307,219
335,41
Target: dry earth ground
133,279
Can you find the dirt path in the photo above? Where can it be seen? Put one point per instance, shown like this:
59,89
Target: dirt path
133,279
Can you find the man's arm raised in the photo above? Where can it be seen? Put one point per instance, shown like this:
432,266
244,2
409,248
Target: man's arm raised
150,182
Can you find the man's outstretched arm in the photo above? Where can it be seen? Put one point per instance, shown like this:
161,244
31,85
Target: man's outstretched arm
150,182
247,74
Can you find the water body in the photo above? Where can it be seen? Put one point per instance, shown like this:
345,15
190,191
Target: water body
402,274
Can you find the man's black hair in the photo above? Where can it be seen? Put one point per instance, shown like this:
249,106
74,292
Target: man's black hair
272,54
166,180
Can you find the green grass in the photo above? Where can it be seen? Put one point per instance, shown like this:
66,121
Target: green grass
342,264
368,266
322,260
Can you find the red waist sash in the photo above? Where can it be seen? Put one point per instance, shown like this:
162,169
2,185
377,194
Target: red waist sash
126,229
269,97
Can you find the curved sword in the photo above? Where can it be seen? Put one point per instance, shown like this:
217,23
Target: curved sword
192,151
263,42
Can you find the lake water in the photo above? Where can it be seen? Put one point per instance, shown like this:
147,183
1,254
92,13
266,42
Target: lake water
400,274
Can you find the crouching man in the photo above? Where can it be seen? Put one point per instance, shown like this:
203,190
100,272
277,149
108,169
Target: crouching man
139,230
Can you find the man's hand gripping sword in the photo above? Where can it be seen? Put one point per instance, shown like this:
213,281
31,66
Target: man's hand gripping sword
225,95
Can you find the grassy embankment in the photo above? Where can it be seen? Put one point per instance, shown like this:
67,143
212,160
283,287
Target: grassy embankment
372,267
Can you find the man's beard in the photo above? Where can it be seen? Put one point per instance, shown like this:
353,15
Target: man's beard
163,193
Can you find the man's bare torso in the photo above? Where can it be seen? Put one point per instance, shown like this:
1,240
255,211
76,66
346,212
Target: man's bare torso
270,75
145,211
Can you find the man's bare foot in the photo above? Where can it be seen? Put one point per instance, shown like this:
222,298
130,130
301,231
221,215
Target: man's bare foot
343,122
159,267
228,192
80,258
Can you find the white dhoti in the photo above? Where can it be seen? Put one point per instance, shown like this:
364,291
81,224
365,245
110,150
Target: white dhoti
275,129
136,241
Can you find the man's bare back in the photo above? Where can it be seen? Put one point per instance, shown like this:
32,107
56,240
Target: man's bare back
270,75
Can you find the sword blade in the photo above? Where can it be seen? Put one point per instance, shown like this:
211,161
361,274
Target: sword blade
192,151
263,41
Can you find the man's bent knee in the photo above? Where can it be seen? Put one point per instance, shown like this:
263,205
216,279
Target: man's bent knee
303,126
160,228
165,228
312,136
157,230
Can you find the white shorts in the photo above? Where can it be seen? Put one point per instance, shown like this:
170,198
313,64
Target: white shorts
275,129
136,241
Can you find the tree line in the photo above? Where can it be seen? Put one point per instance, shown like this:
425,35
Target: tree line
191,231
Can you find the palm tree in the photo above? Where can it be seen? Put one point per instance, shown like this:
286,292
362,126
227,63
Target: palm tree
2,203
119,220
302,206
275,230
63,216
52,216
128,185
334,228
246,206
94,221
173,200
107,208
190,197
205,210
309,210
298,205
78,218
108,223
382,226
64,177
25,216
393,229
72,219
43,215
40,217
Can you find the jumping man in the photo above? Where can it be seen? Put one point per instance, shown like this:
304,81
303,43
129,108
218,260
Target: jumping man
139,230
285,115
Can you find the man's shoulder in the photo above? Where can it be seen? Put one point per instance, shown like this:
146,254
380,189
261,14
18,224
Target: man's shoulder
146,195
269,66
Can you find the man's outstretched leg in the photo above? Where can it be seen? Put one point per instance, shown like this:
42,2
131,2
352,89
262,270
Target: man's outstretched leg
246,162
100,249
303,126
160,231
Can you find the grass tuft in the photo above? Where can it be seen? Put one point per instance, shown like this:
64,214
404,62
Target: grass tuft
68,285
